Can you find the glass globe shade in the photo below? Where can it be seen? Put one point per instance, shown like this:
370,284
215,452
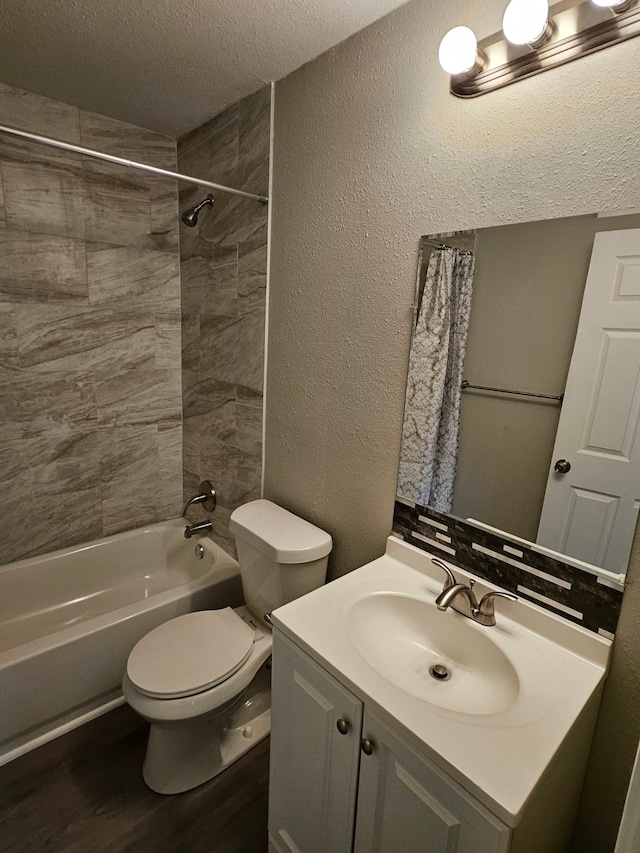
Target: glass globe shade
609,4
525,20
458,50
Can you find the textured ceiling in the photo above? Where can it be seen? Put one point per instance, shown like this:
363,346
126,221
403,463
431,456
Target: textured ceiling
164,64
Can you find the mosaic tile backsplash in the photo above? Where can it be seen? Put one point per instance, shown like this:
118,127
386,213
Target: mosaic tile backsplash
564,590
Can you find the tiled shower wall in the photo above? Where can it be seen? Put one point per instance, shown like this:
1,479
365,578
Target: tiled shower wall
90,379
223,271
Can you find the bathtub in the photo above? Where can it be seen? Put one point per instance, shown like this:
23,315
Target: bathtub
69,619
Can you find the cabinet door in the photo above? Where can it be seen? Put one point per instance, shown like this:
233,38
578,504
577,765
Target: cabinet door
406,803
314,768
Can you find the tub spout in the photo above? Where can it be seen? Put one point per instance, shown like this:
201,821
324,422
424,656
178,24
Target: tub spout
202,527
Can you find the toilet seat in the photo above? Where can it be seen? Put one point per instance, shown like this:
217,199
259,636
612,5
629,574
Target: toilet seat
190,654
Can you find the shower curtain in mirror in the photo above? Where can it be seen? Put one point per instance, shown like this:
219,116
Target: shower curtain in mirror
432,408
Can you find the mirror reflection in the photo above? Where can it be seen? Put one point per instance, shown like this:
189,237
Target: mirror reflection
523,391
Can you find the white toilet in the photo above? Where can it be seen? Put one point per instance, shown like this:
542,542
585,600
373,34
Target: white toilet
202,679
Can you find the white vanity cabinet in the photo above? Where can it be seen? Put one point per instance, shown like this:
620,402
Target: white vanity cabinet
314,768
342,780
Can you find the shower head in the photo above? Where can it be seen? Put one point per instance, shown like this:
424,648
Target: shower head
190,217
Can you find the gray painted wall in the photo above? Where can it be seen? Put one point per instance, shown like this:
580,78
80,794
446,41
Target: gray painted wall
370,153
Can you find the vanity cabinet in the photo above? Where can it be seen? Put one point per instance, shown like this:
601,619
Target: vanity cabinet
342,780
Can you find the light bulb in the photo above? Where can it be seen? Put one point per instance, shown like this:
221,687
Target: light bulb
615,5
525,21
458,52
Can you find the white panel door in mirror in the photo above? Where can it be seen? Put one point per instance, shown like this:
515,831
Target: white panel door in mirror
590,511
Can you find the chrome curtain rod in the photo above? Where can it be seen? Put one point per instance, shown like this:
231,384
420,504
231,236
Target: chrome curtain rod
558,397
122,161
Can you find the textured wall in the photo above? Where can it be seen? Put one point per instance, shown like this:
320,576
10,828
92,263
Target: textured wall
90,400
167,65
371,152
223,271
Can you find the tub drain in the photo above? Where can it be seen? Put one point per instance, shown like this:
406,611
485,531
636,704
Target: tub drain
439,672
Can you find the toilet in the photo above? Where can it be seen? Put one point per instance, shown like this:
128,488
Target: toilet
202,680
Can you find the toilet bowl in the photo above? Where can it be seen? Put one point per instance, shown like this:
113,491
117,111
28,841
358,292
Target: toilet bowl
202,679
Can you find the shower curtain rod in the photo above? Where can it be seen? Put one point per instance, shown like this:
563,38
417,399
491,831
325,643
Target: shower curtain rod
122,161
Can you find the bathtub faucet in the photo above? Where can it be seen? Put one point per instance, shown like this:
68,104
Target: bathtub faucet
201,527
206,497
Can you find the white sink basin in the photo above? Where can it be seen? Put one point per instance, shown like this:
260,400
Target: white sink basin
516,691
403,637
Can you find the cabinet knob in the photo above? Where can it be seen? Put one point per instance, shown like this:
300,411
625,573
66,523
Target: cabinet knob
343,726
366,746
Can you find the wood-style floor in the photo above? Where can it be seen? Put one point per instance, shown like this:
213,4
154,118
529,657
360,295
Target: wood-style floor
84,793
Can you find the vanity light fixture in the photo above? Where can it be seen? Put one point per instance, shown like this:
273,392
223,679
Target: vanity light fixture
535,38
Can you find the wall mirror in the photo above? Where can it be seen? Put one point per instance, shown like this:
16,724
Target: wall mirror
523,394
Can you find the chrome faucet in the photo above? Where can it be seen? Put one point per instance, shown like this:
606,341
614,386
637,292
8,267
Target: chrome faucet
200,527
462,598
206,497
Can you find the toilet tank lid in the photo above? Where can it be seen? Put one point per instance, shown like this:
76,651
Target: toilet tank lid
278,533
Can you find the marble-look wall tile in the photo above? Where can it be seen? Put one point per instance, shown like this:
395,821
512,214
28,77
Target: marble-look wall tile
64,463
126,140
255,122
45,198
148,278
2,212
128,453
249,405
234,219
90,315
237,472
252,277
167,340
163,197
8,336
53,338
140,397
14,459
170,470
126,509
35,404
38,114
41,268
232,348
211,151
224,271
118,209
71,518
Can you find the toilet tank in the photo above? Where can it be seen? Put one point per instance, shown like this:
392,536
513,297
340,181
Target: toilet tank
281,555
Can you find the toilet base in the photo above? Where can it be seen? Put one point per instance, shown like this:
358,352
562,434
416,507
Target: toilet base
181,756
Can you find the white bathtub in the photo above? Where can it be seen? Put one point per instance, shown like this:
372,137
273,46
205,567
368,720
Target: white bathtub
69,619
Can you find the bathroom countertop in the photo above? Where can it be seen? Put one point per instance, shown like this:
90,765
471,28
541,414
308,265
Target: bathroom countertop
498,757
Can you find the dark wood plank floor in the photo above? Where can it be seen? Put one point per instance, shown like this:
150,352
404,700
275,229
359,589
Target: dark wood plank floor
84,793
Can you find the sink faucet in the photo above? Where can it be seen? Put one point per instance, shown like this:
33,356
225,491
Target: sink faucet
462,598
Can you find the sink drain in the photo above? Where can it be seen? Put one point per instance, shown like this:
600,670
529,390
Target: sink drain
439,672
